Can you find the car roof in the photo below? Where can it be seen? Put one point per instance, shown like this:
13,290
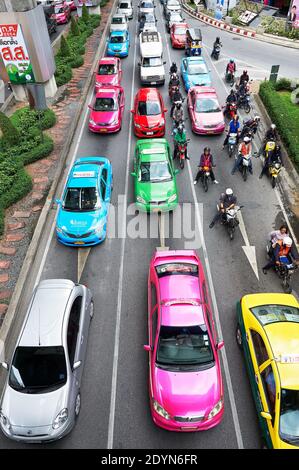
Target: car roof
204,90
118,33
45,321
84,174
182,315
195,59
148,94
109,91
152,150
117,15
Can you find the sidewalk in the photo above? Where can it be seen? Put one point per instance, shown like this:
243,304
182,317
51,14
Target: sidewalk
241,31
22,217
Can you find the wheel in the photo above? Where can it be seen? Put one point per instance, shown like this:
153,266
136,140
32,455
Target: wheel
205,184
77,405
244,172
247,108
286,286
239,337
273,182
182,163
231,235
91,310
230,152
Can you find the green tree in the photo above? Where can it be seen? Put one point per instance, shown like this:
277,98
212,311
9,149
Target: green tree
85,13
65,50
75,30
10,135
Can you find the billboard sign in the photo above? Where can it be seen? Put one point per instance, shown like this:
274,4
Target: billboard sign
293,15
15,55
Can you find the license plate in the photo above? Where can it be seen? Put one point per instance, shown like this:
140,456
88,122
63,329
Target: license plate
149,133
79,243
153,83
103,130
189,428
210,132
156,209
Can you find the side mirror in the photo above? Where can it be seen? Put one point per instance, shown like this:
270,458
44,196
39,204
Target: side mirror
147,348
165,110
176,171
132,111
266,415
133,174
90,107
5,365
139,64
220,345
58,201
76,365
164,63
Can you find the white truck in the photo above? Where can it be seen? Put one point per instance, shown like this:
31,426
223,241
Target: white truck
152,71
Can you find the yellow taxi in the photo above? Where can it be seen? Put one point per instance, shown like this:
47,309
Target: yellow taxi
268,333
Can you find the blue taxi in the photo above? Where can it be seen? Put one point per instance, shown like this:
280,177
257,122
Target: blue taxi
118,44
83,210
195,72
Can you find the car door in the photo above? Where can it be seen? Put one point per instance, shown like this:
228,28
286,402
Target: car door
152,325
122,102
119,71
184,69
209,313
270,395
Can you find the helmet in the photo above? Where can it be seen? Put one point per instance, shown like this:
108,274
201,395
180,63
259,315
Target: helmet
244,71
229,192
257,118
206,149
180,128
247,139
231,61
287,241
273,126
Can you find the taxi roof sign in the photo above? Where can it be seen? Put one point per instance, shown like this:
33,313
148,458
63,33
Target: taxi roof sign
289,358
84,174
153,151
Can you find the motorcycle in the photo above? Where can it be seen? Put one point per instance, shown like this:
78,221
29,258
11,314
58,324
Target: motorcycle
230,78
230,220
205,178
216,51
248,131
232,143
284,270
172,89
244,103
244,167
180,150
273,172
231,110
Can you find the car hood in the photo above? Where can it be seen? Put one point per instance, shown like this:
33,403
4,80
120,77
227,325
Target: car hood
181,38
156,191
118,27
210,118
117,46
149,121
107,79
26,409
197,80
104,117
187,393
79,223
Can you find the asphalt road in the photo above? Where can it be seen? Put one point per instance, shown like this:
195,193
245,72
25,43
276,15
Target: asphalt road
115,409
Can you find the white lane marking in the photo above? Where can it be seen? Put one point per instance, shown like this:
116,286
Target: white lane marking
214,300
83,254
47,247
248,250
121,273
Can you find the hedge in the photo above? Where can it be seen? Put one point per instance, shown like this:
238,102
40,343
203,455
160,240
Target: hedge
284,114
26,117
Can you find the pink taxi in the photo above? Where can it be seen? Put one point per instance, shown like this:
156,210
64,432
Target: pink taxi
107,110
109,72
185,383
62,12
204,110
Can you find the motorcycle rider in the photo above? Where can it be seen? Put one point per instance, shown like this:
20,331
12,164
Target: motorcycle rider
233,128
176,98
231,67
245,149
227,201
251,125
173,68
232,98
271,135
216,43
275,157
244,77
180,138
277,236
206,160
282,248
243,91
177,115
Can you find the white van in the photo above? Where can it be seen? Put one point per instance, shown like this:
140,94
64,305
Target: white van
152,70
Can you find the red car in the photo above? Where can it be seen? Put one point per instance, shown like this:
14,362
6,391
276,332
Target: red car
178,35
72,5
62,13
204,110
107,110
109,72
149,113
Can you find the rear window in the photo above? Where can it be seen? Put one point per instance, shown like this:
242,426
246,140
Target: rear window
267,314
177,268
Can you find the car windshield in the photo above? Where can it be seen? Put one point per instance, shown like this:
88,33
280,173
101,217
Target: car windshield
107,69
152,62
58,9
149,108
154,172
117,39
172,3
184,345
149,18
117,20
207,105
197,69
175,18
289,416
105,104
146,5
276,313
180,31
124,5
82,199
170,269
38,369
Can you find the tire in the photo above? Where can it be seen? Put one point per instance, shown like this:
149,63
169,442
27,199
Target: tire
247,108
91,313
77,405
182,163
244,173
273,182
239,337
205,184
230,151
286,286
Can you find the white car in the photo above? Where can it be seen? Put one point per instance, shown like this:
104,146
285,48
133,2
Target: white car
171,5
146,6
152,71
119,22
125,7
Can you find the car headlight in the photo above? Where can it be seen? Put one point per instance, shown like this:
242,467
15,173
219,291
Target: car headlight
138,126
172,198
60,418
217,408
59,230
160,410
115,121
162,123
141,200
4,421
92,122
98,83
99,229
